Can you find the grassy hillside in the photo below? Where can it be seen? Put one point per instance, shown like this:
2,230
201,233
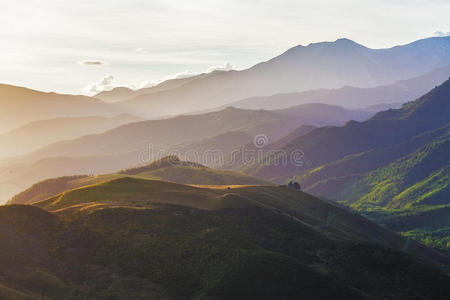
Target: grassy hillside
406,185
410,195
170,169
153,239
367,161
421,178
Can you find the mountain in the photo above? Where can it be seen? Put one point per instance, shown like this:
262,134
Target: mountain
392,168
38,134
123,93
139,143
409,195
154,239
20,106
169,168
421,178
248,154
172,131
355,165
353,97
388,128
327,65
319,114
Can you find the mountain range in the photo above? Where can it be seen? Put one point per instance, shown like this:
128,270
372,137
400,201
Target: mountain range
38,134
139,143
316,66
393,167
353,97
21,106
322,173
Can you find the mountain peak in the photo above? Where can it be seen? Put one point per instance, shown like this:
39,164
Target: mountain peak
345,41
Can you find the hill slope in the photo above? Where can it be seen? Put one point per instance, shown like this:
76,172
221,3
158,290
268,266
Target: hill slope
169,168
150,239
393,167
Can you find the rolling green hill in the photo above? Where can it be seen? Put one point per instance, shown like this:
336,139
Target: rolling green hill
170,168
152,239
410,195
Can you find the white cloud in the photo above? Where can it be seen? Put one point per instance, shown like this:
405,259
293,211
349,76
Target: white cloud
442,33
148,83
225,67
103,85
186,74
92,62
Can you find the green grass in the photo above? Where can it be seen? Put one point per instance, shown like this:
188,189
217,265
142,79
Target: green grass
177,172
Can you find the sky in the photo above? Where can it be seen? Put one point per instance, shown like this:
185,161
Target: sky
86,46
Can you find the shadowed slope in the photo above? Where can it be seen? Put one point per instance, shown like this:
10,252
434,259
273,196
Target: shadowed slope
154,239
324,145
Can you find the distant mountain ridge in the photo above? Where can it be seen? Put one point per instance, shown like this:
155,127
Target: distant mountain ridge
353,97
20,106
138,143
386,128
38,134
124,93
316,66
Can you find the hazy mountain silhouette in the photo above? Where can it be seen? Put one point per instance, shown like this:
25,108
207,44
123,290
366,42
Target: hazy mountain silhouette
38,134
139,143
385,129
124,93
352,97
320,65
20,106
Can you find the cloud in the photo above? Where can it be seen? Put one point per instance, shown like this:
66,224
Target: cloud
91,63
186,74
148,83
442,33
103,85
225,67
